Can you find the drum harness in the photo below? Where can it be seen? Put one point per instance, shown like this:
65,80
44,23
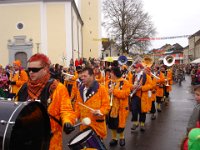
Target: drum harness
44,97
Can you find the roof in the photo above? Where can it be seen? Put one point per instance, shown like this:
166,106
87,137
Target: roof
195,34
197,42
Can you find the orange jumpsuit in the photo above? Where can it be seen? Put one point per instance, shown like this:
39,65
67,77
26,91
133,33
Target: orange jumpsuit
154,84
69,83
61,108
99,78
160,82
97,99
143,94
120,107
20,77
170,80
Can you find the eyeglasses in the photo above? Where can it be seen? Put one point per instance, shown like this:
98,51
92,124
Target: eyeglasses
34,69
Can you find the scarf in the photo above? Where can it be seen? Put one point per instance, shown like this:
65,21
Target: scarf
35,87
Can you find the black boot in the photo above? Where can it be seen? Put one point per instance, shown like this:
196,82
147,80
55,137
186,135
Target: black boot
122,142
113,142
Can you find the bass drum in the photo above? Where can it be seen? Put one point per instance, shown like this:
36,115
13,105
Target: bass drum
24,126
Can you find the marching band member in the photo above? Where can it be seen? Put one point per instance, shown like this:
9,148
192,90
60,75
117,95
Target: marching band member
159,87
107,75
119,90
52,94
125,72
168,81
69,81
94,96
17,78
98,74
77,85
131,74
140,101
153,94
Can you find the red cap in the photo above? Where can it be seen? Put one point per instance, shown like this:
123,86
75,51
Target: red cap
138,65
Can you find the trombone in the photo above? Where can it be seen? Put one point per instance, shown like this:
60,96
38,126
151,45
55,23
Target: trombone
146,62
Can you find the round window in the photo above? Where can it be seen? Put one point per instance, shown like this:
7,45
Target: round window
20,26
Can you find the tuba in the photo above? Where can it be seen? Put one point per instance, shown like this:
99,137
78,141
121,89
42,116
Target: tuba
169,60
122,60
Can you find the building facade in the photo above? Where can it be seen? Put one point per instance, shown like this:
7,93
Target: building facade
90,11
186,59
194,49
52,27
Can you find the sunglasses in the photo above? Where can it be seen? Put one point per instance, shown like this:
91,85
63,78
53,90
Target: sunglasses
34,69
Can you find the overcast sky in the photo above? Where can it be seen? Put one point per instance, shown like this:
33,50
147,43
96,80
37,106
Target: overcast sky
173,18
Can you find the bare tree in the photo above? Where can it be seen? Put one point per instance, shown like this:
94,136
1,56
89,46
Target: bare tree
127,22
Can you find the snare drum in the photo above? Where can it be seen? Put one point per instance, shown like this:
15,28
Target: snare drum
86,139
24,126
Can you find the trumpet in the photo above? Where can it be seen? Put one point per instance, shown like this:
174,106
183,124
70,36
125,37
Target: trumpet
111,95
167,82
67,76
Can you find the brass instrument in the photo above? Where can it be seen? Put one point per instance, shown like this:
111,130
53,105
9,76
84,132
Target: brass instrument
137,84
67,76
146,62
169,60
155,76
167,82
134,63
122,60
111,95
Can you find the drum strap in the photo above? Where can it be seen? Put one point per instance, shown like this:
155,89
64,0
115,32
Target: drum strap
45,94
55,119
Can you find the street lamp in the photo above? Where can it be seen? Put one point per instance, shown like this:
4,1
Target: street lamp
38,45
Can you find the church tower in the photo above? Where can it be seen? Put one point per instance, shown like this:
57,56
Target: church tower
90,11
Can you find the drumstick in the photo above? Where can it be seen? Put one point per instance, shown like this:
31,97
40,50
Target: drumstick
89,108
86,121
